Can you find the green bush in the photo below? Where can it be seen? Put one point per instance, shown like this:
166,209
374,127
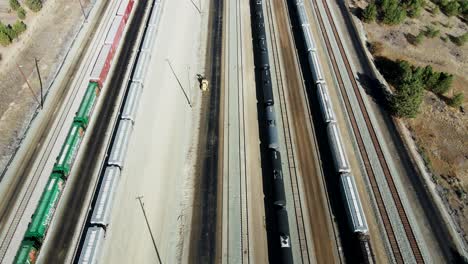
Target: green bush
419,38
14,4
431,32
460,40
5,40
21,13
457,100
370,13
19,27
451,8
34,5
409,82
7,29
414,7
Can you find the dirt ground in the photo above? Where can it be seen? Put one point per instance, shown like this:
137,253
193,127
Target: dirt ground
439,130
49,35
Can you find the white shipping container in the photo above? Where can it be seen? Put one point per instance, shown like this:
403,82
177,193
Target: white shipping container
100,62
113,30
122,7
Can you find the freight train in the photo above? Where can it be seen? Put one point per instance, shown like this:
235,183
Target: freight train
41,219
275,172
100,214
356,219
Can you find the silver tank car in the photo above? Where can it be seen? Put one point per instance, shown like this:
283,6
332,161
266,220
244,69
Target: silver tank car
103,207
350,195
271,127
325,103
132,102
120,145
301,12
141,67
310,45
337,150
92,246
314,63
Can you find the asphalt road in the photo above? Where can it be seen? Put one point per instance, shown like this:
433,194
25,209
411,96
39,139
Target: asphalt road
206,211
162,147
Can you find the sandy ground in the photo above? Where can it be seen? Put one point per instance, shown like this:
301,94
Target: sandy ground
17,105
440,131
159,160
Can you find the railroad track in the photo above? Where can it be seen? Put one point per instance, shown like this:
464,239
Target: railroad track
371,174
19,213
290,155
235,137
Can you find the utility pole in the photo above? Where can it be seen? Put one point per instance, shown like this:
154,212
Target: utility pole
180,84
198,9
82,11
26,79
189,85
40,82
149,228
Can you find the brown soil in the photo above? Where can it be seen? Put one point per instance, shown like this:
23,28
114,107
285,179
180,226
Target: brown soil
48,37
440,131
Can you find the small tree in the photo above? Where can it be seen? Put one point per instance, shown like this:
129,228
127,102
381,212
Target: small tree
404,73
21,13
14,4
443,84
430,78
457,100
5,40
34,5
394,14
414,7
407,99
19,27
370,13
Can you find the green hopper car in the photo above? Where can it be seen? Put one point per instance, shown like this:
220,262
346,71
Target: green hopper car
87,104
69,150
27,254
45,210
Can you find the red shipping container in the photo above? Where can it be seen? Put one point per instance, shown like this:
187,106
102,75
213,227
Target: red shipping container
125,8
